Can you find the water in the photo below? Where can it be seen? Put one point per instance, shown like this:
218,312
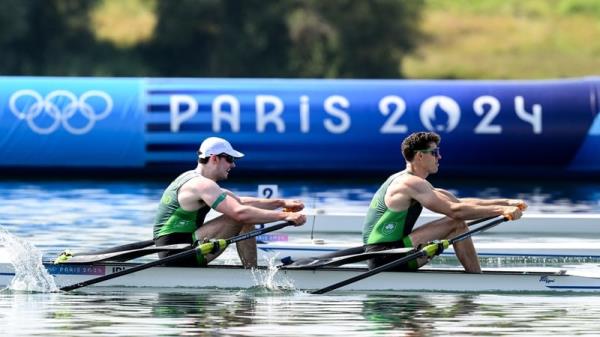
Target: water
30,274
259,313
84,215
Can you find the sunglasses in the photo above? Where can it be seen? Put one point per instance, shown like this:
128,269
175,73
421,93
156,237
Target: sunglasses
434,152
228,158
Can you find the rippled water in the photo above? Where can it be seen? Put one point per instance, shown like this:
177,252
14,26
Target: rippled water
257,312
83,215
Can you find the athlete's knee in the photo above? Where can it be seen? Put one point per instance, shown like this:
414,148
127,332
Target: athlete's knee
460,225
246,228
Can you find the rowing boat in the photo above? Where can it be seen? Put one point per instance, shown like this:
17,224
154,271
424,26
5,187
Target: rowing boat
322,274
229,276
332,221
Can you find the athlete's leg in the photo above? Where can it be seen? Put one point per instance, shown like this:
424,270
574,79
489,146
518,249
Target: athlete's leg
446,228
224,227
247,248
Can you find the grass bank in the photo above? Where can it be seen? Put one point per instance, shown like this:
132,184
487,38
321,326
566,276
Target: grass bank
508,39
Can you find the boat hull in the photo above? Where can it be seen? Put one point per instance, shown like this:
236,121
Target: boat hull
445,280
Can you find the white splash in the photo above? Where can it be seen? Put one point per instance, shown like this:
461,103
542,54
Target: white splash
269,278
30,274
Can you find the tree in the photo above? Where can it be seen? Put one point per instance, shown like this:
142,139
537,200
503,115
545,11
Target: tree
301,38
47,37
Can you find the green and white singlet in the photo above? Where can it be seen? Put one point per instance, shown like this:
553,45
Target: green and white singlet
171,218
383,225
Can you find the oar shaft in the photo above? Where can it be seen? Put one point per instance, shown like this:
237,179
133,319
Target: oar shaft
121,248
413,256
373,271
131,270
468,234
353,254
257,232
174,257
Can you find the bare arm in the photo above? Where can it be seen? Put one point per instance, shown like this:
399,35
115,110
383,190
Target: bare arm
287,204
235,208
262,203
445,203
485,202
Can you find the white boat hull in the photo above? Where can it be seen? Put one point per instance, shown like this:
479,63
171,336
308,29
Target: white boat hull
446,280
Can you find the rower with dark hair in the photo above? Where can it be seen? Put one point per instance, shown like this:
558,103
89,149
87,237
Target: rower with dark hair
397,204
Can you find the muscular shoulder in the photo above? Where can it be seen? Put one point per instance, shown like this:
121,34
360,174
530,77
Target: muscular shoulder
198,191
198,185
401,191
408,185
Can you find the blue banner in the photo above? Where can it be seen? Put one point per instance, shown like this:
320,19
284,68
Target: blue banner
358,125
331,126
71,122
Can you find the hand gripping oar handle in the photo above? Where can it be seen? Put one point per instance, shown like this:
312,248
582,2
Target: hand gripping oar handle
205,248
429,250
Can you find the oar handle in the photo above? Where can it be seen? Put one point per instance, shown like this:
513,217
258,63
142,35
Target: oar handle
202,248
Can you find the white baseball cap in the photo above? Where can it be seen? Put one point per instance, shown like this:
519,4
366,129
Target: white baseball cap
215,146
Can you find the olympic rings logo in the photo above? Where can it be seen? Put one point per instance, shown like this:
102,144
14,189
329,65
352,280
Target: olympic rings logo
60,112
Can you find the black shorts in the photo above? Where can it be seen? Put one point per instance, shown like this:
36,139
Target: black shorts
380,261
196,260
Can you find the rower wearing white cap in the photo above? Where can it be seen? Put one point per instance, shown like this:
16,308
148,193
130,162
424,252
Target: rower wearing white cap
186,201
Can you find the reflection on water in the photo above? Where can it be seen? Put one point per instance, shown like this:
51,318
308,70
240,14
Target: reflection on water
415,315
258,312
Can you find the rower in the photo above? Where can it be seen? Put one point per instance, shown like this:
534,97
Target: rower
397,204
186,201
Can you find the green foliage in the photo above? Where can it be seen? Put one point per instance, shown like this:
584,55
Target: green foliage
371,37
301,38
527,8
254,38
220,38
579,7
507,39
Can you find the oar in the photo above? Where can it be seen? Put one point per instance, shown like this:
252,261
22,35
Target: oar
320,262
121,248
349,255
70,258
204,249
430,250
